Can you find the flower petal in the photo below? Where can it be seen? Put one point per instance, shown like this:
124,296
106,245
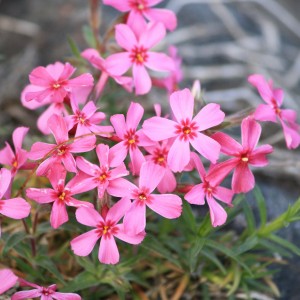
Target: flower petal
118,63
153,34
158,129
108,251
118,210
141,79
150,175
265,112
179,155
135,218
166,16
159,62
125,37
196,195
243,179
218,214
251,132
8,279
85,243
16,208
59,214
131,239
88,216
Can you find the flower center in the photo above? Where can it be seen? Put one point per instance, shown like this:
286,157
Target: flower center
103,177
139,55
138,5
56,86
131,139
160,156
15,163
142,197
186,130
106,229
245,158
61,150
46,292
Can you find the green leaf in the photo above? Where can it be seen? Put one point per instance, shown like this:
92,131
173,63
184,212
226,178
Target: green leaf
213,258
194,252
237,275
46,263
249,244
189,217
13,240
261,203
89,36
249,217
284,243
74,49
82,281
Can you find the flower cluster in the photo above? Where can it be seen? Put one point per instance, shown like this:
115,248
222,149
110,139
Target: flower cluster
138,161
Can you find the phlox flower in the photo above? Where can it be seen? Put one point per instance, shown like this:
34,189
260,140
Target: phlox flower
131,138
45,293
87,120
104,176
166,205
106,228
272,111
93,56
52,85
61,195
244,154
186,130
15,208
62,150
158,154
138,9
15,159
208,191
170,83
138,56
8,279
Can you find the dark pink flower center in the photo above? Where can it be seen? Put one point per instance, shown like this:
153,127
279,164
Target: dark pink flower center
139,55
56,85
107,229
47,291
104,175
209,190
139,5
186,130
276,107
160,156
244,157
131,139
63,195
62,150
80,118
142,196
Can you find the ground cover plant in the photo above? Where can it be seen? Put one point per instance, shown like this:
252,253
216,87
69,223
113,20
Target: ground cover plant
138,200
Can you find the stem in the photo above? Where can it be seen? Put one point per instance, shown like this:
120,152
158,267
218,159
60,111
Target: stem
95,21
32,239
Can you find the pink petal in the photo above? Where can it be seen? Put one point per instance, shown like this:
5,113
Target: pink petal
67,72
196,195
119,123
45,166
157,128
243,179
167,17
87,167
166,205
134,115
125,37
199,165
153,34
168,182
85,243
262,86
5,180
179,155
83,144
278,96
182,105
137,22
40,76
135,218
118,63
218,214
118,153
45,195
118,210
120,187
258,156
131,239
288,115
292,136
102,151
40,150
209,116
7,156
26,294
151,174
207,147
58,127
59,214
265,112
137,159
119,5
108,251
153,2
57,175
65,296
251,132
84,80
223,194
88,216
8,279
69,162
18,136
159,62
142,80
229,146
16,208
77,203
118,172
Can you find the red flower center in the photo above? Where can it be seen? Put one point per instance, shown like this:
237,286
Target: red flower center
139,5
106,229
276,108
46,291
245,157
131,139
186,130
160,156
139,55
62,150
80,117
209,190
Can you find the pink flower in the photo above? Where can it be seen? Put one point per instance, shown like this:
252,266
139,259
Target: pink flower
102,176
208,191
271,111
52,85
166,205
131,138
139,8
138,56
170,83
46,293
15,159
15,208
244,155
93,56
158,154
61,195
8,279
186,129
106,228
62,150
86,120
